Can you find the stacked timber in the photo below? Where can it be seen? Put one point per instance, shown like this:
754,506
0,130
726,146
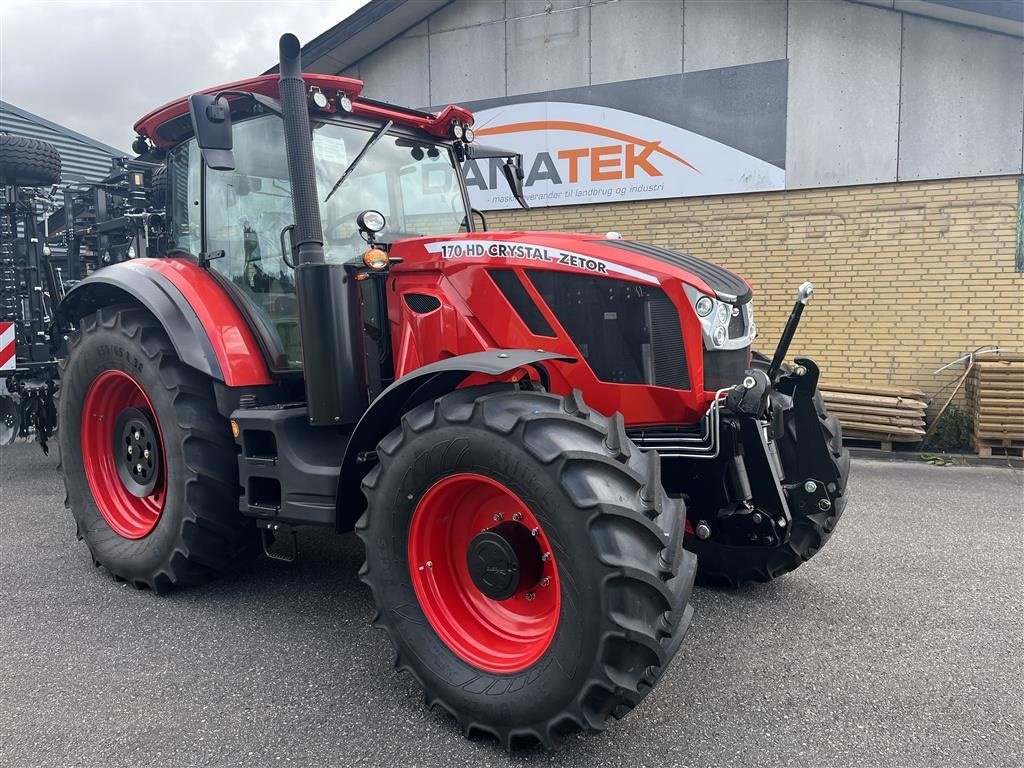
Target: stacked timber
877,413
995,396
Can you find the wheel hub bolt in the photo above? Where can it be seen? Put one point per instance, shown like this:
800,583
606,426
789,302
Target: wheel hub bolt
430,563
145,454
129,450
535,531
824,505
781,522
810,486
703,531
530,595
545,581
517,517
497,517
136,435
545,557
138,468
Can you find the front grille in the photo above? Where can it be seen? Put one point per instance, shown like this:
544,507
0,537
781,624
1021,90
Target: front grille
667,359
724,368
738,325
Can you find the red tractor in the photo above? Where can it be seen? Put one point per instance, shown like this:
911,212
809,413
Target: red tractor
541,438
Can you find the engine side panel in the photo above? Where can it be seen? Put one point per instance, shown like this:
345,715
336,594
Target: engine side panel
469,311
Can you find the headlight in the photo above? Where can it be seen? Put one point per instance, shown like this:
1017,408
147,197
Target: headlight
345,102
457,130
723,314
719,336
704,306
370,221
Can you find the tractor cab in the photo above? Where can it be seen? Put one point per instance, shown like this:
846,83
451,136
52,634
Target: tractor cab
366,157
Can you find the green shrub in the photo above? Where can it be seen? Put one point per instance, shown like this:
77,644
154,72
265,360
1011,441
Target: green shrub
952,432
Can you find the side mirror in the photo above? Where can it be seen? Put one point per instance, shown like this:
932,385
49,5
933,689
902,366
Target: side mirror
512,168
211,123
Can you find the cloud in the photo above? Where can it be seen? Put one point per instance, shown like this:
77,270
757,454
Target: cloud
97,67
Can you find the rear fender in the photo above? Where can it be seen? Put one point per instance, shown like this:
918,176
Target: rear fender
419,386
205,327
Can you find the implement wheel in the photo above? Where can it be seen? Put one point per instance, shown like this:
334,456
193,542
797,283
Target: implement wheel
526,563
149,462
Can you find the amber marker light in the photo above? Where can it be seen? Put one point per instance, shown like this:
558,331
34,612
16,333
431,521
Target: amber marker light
375,258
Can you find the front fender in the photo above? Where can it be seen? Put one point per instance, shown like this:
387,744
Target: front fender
419,386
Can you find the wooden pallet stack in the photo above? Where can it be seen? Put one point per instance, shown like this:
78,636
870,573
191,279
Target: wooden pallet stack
876,413
995,397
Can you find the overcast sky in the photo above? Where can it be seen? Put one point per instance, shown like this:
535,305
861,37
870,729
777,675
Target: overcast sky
97,67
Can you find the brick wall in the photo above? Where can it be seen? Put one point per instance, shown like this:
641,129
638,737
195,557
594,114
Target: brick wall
907,276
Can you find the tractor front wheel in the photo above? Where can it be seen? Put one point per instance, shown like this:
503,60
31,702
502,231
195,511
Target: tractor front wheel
525,561
149,463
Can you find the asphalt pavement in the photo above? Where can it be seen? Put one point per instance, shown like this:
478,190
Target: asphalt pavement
900,644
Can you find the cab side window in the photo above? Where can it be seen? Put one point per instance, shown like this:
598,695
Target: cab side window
184,201
247,210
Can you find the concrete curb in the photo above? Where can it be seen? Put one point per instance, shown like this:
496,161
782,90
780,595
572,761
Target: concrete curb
958,459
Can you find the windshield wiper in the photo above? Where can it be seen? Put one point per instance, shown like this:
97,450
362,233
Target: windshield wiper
355,161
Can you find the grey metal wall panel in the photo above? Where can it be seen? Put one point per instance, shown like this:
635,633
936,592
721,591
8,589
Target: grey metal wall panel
548,50
719,33
843,104
642,38
466,13
962,101
399,75
852,116
467,64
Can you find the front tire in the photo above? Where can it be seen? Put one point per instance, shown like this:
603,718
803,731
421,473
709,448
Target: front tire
169,517
590,628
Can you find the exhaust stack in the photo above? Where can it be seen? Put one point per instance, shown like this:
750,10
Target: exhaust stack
330,328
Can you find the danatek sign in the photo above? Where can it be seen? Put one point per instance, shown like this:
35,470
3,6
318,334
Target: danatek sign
701,133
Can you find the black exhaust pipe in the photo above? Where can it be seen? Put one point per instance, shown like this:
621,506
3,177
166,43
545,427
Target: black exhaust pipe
309,232
330,327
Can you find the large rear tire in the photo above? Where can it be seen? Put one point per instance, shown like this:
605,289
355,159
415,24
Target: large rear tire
149,463
602,598
729,566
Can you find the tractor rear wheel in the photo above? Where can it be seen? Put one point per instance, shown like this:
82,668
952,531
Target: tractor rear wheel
149,463
525,561
730,566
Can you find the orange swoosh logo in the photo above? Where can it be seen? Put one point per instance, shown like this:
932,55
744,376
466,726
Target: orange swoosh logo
596,130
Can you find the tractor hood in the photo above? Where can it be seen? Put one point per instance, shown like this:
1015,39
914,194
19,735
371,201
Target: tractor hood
611,256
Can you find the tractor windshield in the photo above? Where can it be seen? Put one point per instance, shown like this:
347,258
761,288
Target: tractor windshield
415,184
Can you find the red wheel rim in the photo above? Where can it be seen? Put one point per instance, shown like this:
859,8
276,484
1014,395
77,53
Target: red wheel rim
109,395
494,635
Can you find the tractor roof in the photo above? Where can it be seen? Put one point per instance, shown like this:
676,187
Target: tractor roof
154,125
